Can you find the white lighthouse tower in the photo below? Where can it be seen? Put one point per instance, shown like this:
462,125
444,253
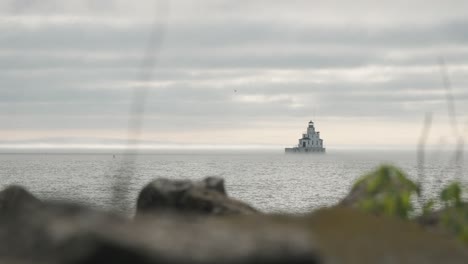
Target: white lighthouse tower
309,143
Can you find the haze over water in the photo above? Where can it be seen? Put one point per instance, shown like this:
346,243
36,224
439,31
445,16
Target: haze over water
270,181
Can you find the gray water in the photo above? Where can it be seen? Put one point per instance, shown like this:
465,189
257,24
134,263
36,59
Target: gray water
272,182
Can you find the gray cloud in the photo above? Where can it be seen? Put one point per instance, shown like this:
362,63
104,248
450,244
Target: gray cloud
235,45
227,64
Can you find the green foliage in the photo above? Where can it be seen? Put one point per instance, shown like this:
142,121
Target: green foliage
428,207
451,195
455,219
454,216
386,191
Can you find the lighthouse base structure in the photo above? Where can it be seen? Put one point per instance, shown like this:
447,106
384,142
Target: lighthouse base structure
304,150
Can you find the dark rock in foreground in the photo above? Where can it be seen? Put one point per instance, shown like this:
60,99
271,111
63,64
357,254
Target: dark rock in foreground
16,198
345,235
183,196
65,233
32,231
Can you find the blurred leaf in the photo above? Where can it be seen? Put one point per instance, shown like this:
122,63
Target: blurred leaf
451,195
386,190
428,207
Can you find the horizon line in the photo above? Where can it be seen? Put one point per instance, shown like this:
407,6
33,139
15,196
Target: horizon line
179,146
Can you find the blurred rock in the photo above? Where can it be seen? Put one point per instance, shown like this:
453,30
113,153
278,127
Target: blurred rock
213,183
68,233
345,235
207,197
28,227
45,232
16,198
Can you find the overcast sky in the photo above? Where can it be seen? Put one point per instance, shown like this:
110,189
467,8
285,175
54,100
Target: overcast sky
231,73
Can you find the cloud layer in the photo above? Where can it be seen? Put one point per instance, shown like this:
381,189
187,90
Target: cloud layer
230,73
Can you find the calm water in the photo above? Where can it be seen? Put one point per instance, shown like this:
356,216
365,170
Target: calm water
270,181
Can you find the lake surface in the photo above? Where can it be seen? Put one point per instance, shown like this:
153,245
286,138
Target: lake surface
272,182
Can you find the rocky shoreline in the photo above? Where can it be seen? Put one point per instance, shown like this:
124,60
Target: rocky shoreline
180,221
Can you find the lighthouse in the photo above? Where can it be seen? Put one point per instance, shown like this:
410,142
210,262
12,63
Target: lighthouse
309,143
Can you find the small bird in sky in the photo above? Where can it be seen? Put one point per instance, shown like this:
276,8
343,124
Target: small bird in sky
235,90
